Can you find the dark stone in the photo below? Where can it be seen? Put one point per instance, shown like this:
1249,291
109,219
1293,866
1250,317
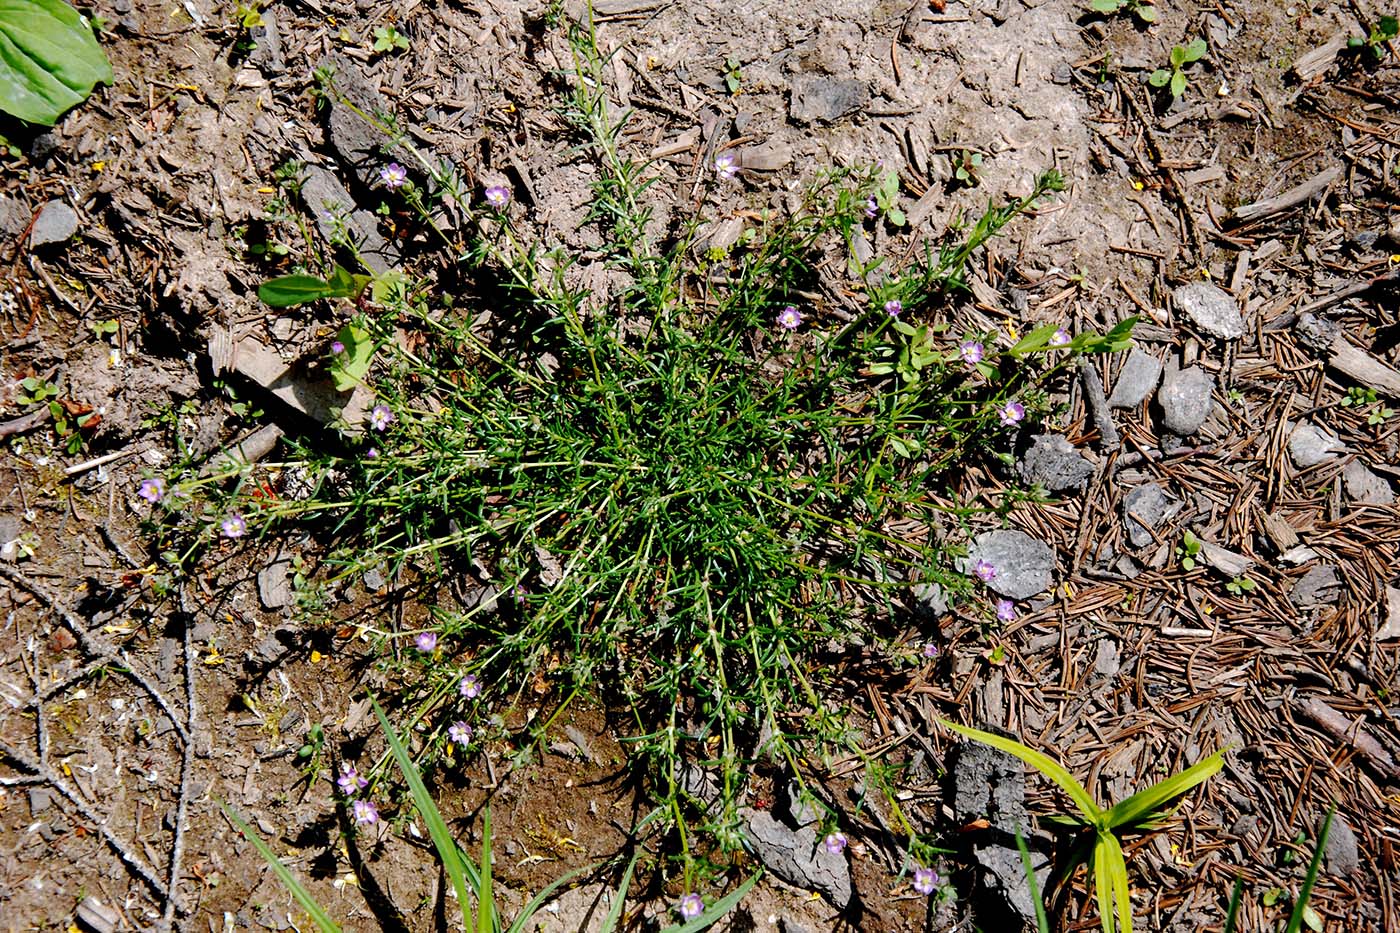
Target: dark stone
1185,400
1343,857
826,100
1053,462
1145,507
1320,586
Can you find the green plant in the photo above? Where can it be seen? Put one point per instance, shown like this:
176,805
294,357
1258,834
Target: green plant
1187,550
1174,76
247,16
1374,44
389,39
1359,397
35,390
1100,850
51,60
1239,586
733,75
1142,9
966,166
1302,913
887,197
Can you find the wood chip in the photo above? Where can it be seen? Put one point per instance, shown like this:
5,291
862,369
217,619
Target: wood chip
1289,199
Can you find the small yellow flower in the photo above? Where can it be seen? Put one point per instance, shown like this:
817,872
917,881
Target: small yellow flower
99,165
315,657
1137,185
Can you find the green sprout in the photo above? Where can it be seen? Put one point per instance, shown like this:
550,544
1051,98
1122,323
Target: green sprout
733,77
388,39
1187,550
1241,585
1142,9
1374,45
1175,77
966,166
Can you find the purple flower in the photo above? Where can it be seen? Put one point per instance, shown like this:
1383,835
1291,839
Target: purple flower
425,641
470,687
789,318
1011,413
930,650
835,843
371,453
337,348
925,880
893,307
498,196
365,812
459,732
872,209
1059,338
971,351
519,593
234,526
380,417
152,490
350,780
690,907
1006,610
393,176
726,167
983,570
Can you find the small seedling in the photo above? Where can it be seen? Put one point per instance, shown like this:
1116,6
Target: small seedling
1144,11
388,39
1187,550
247,16
35,390
966,168
1174,77
1239,586
1357,397
887,198
1386,29
733,77
102,329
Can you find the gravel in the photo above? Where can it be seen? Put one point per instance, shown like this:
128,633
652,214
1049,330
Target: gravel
1145,507
1025,567
1185,400
1211,309
1053,462
56,223
1139,376
1309,445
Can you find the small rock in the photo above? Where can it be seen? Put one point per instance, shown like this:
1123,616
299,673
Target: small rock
1145,507
1226,561
1365,486
1136,380
1343,858
581,742
1185,400
96,916
1003,899
333,208
797,857
931,598
55,224
1211,308
1310,445
826,100
1320,586
13,217
275,584
40,799
1106,658
374,580
789,925
1391,628
1025,566
1297,556
1053,462
267,45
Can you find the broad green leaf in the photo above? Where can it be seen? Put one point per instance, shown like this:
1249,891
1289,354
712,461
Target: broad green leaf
1178,83
1037,339
437,829
1300,906
288,290
895,216
349,368
1147,14
49,59
1106,6
1178,56
1145,802
1388,27
302,896
1159,77
1117,869
1038,760
715,911
1195,51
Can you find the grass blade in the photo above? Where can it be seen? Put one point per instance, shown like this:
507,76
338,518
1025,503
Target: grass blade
1038,760
485,901
1042,922
303,897
437,829
1300,906
1103,882
1118,879
1133,809
536,902
717,910
1232,912
620,899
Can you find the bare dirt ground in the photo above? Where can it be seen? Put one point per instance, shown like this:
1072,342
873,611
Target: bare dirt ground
130,708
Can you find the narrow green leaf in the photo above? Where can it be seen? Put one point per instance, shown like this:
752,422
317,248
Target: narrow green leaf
1038,760
715,911
1042,922
485,899
1131,810
1103,882
1295,920
437,829
49,59
614,916
1232,912
303,897
1118,879
288,290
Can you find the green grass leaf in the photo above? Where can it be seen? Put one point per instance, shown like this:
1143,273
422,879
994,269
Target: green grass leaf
437,829
1041,762
1103,883
289,290
1042,922
614,916
715,911
49,60
485,901
1300,906
1109,859
303,897
1232,912
1146,802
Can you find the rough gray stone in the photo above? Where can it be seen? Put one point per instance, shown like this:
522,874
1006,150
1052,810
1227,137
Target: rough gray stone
1343,857
267,45
1391,628
1139,376
1054,463
988,783
1365,486
1211,308
1003,897
931,597
1145,507
355,140
1309,445
1025,567
275,583
55,224
13,216
797,857
1185,400
1320,586
826,100
333,207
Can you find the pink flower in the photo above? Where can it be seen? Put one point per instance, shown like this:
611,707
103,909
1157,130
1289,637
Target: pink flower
365,812
380,417
498,196
690,907
393,176
925,880
1060,338
350,780
469,687
893,307
459,732
1006,610
789,318
425,641
726,166
1011,413
971,351
234,526
984,570
152,490
835,843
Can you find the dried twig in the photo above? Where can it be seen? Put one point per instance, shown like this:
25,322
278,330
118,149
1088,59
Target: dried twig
1289,199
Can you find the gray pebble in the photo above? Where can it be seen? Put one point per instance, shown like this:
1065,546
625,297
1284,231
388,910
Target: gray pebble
826,100
1144,508
1211,308
1185,400
1136,380
55,224
1320,586
1054,463
1025,567
1343,857
1309,445
1365,486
